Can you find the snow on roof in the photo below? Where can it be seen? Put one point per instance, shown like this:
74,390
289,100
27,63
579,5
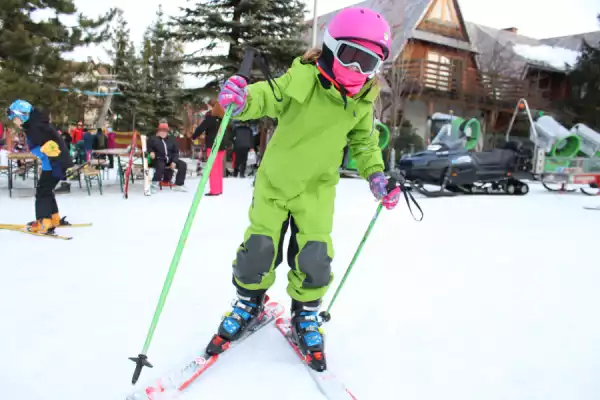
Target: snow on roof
556,57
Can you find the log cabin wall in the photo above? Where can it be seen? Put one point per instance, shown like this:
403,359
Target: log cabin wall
442,63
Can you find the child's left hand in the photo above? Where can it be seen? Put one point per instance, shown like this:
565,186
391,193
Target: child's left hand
378,184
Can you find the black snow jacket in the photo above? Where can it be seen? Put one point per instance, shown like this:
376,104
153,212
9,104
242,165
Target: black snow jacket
243,137
68,140
39,131
100,141
164,149
210,126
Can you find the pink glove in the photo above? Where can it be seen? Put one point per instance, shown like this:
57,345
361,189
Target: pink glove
234,93
390,201
378,185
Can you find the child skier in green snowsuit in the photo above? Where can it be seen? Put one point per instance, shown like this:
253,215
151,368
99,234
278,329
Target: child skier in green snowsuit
327,103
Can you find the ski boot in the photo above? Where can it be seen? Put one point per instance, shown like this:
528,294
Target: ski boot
154,187
242,317
307,333
42,226
57,221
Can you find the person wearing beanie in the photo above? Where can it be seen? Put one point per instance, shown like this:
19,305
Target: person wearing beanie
164,152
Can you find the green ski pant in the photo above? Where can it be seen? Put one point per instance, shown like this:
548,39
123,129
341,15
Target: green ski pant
310,251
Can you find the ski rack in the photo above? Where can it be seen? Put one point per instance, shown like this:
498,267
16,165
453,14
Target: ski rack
539,156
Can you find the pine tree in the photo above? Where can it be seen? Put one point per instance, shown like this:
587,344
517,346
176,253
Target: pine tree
585,82
145,94
279,27
32,64
151,77
123,68
165,78
273,26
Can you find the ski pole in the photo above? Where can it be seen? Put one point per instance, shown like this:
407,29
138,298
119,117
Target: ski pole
142,359
325,315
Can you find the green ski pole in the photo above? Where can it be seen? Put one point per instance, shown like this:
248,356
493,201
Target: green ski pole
326,315
142,359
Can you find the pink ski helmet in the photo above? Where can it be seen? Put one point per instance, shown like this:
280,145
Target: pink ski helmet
359,23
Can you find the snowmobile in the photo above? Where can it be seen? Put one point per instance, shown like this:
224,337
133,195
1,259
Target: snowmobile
448,165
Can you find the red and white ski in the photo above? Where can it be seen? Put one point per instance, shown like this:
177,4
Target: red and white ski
179,380
330,386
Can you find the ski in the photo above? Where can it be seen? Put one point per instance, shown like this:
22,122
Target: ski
331,387
23,226
81,225
147,191
597,208
178,380
47,235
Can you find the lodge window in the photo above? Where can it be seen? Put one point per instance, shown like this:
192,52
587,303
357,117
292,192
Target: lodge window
443,12
438,71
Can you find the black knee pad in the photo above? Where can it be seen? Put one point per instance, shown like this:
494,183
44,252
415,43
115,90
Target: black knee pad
254,259
314,261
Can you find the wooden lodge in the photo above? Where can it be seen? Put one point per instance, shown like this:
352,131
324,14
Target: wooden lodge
442,63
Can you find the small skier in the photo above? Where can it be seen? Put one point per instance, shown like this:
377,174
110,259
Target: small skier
45,143
326,102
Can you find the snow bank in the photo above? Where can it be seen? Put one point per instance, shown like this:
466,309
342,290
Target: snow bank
557,57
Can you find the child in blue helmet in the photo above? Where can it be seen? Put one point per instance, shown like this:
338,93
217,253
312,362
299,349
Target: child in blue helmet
45,142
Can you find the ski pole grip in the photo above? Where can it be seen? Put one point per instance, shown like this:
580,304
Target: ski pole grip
246,68
391,184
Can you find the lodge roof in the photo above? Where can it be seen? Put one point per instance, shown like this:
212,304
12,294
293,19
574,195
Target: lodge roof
516,50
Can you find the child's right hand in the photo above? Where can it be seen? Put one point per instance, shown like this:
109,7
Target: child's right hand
234,93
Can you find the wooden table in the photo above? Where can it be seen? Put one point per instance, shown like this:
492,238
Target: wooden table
120,171
30,162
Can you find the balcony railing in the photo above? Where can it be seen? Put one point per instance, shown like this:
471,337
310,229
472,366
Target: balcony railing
419,76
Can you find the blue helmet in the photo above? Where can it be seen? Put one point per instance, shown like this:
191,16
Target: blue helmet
20,109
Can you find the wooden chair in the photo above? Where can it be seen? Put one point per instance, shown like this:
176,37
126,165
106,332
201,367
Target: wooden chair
91,174
102,165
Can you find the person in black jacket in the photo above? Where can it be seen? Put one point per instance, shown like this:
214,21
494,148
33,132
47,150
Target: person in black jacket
66,137
210,126
45,143
164,153
242,143
100,143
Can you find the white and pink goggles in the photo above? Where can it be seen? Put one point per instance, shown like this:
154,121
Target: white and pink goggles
353,54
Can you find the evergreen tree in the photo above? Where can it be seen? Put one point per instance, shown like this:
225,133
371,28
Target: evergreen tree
151,82
585,84
32,64
165,75
273,26
124,63
145,94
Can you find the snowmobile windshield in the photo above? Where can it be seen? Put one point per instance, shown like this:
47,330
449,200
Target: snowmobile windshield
446,139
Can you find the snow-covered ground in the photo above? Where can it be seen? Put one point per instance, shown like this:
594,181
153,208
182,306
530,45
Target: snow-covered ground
491,298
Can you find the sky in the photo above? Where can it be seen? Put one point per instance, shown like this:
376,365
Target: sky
532,17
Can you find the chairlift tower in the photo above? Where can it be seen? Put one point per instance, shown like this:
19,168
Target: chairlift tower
111,83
